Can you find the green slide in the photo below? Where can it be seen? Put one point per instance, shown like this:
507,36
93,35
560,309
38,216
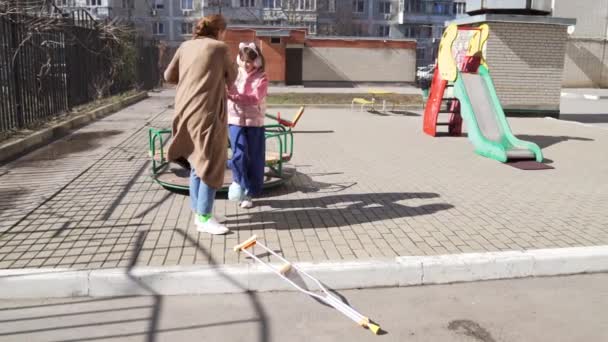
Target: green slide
487,125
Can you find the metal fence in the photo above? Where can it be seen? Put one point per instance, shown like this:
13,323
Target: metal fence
44,73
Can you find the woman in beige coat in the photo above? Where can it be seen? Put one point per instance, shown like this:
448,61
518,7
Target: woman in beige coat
202,69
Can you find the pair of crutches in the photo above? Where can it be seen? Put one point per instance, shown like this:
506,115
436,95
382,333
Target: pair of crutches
325,297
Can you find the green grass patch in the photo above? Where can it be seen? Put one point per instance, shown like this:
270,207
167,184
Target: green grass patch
338,98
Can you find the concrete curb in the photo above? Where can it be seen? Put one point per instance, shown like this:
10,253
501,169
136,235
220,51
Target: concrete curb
401,271
576,123
16,148
584,96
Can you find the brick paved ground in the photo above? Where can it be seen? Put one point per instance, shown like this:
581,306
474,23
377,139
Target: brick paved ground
368,186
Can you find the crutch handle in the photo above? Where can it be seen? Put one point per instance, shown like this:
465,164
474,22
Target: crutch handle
246,244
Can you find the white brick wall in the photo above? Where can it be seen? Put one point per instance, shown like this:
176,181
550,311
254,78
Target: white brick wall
338,64
586,63
527,62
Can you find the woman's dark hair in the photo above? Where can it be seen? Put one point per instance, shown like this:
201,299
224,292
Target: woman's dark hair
209,26
248,54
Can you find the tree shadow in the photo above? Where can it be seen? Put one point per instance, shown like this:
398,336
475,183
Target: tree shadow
73,143
264,326
28,317
9,198
338,210
302,182
544,141
586,60
405,113
377,112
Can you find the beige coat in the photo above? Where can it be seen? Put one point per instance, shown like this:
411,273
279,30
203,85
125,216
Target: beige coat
202,69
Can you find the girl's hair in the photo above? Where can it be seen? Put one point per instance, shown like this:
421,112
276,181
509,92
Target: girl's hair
209,26
248,54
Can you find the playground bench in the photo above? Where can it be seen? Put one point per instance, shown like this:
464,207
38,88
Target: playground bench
362,102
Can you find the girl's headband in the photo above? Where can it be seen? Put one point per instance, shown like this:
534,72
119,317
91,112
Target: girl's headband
251,45
258,60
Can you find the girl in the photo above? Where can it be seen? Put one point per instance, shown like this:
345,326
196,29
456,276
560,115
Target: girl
246,109
202,69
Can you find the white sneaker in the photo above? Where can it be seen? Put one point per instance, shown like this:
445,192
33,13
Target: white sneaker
247,203
235,192
220,219
212,227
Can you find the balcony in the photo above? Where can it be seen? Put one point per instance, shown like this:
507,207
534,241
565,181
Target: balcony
420,18
296,16
100,12
424,12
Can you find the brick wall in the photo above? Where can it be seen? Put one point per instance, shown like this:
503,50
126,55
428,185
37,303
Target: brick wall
234,37
587,49
330,60
345,64
274,55
586,63
526,63
364,60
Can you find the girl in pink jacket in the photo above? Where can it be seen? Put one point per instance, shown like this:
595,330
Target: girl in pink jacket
246,110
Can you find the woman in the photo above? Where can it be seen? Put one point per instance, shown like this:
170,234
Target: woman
202,69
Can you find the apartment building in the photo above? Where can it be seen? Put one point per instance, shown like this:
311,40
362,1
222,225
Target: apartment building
99,9
586,62
172,20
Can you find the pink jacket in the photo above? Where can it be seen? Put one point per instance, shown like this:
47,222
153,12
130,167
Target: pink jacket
247,99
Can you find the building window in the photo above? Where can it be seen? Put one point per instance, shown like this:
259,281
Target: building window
414,6
384,30
421,31
312,28
272,22
307,5
331,6
247,3
425,32
275,40
159,4
358,6
272,4
420,54
187,5
93,2
359,30
385,7
437,31
325,29
460,8
187,28
158,28
440,8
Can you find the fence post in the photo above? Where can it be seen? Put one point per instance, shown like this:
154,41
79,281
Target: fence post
16,66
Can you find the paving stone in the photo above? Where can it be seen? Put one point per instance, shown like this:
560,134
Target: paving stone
340,206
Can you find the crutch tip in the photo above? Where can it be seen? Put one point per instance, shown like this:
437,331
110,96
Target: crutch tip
373,328
285,269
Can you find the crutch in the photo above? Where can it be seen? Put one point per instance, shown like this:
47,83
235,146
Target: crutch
327,297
